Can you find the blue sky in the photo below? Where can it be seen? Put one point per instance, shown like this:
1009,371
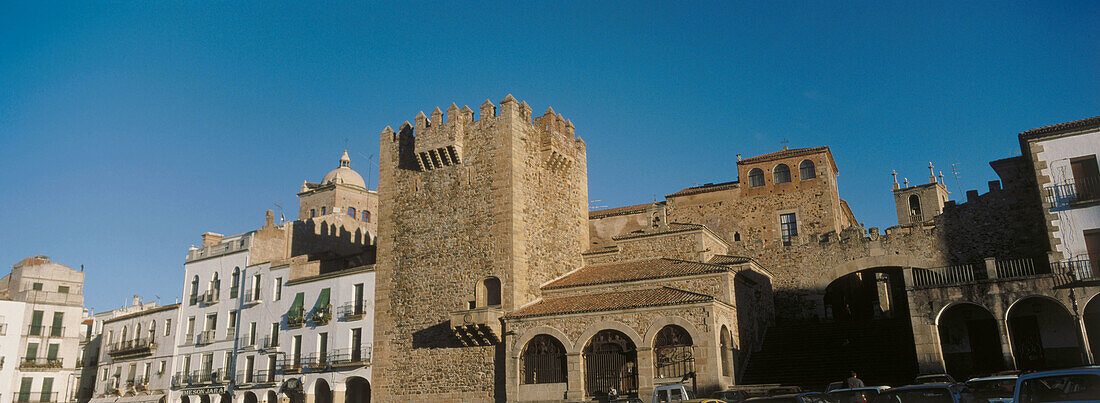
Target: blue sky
126,130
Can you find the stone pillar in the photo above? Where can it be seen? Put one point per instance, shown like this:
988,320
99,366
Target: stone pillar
991,267
708,371
998,311
574,391
310,398
925,338
645,372
338,396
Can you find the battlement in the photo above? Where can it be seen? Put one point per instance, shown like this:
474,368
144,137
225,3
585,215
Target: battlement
439,140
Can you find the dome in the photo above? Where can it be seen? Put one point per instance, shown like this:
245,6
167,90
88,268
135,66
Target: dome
344,174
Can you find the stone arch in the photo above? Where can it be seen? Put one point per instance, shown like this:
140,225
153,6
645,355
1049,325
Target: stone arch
896,260
1090,316
321,390
781,173
250,397
185,399
488,292
660,323
543,361
969,339
594,328
1046,338
356,390
526,337
725,351
806,170
272,397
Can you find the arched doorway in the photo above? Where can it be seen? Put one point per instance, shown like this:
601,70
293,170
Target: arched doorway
321,392
204,399
272,397
226,398
185,399
673,356
725,351
250,397
1092,326
867,295
610,360
969,341
543,361
358,390
1043,335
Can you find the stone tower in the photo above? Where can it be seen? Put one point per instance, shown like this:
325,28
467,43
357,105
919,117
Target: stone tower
918,205
475,214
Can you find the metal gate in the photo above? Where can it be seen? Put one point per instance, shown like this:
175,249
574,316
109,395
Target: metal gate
610,361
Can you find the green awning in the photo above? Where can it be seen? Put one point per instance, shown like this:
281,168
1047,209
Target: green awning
296,308
322,301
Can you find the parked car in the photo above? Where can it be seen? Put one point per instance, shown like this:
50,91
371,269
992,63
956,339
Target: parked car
928,393
834,386
671,393
704,400
855,395
731,396
991,389
1065,385
934,378
807,397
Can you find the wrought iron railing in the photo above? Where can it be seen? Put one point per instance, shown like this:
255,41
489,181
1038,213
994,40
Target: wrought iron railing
1077,190
39,363
50,331
139,346
963,273
353,310
50,397
1070,272
1015,268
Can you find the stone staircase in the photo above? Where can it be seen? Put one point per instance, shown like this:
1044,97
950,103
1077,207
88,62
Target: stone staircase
813,354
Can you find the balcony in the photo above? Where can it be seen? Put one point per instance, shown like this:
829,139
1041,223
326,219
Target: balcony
48,397
233,291
207,337
353,311
478,326
181,380
321,316
1075,273
351,357
296,321
45,331
270,344
247,342
32,296
291,365
211,297
262,377
131,348
252,298
991,269
317,362
1074,192
39,364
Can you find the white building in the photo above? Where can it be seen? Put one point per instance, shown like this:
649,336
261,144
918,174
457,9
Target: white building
52,295
11,321
1064,157
136,356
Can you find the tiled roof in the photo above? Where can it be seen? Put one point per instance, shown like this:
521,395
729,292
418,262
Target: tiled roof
633,271
729,259
782,154
1082,124
672,227
602,249
710,187
143,313
618,210
611,301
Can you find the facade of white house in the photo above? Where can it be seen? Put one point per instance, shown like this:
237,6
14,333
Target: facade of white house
11,321
135,361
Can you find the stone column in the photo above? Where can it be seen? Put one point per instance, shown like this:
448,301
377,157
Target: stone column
645,372
574,391
925,339
1002,331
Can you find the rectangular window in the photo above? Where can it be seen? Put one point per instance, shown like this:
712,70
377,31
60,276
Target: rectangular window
312,213
25,389
278,288
187,363
357,344
232,320
252,334
36,286
64,289
789,227
212,321
110,336
358,308
296,350
1086,177
227,362
51,352
256,287
58,319
249,365
163,367
323,210
47,390
145,372
274,335
207,363
168,327
272,361
1092,246
32,351
36,323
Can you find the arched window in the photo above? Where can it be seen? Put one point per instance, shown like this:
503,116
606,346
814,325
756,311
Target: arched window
736,236
610,361
195,290
807,170
756,177
152,330
351,212
324,210
137,332
488,293
123,339
543,361
673,355
215,283
781,173
366,216
236,282
726,351
914,209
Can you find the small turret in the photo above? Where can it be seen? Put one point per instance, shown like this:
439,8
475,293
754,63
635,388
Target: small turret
488,110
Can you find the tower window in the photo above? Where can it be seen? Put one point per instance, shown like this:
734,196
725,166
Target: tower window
782,173
807,170
789,227
756,177
351,212
914,209
312,213
488,293
366,216
323,210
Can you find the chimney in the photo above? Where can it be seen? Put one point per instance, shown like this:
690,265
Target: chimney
136,301
269,218
211,238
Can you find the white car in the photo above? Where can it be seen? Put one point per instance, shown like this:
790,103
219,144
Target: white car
1064,385
992,389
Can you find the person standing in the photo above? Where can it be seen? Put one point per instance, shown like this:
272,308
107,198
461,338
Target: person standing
853,381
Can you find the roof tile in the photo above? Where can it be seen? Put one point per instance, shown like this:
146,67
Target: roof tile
611,301
633,271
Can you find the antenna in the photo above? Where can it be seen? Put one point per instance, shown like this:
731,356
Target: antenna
370,160
955,172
